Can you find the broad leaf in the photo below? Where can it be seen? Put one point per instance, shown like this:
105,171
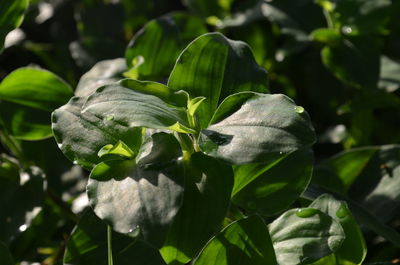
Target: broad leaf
208,186
36,88
102,73
143,195
362,215
153,50
301,236
271,188
353,249
370,175
243,242
215,67
29,95
81,135
11,16
119,102
87,245
252,128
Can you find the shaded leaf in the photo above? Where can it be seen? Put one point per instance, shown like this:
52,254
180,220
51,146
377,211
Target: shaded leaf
208,186
270,189
242,242
301,236
87,245
5,255
353,249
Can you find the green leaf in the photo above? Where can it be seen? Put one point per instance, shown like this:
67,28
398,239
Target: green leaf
119,149
158,44
344,167
28,96
362,215
242,242
11,16
36,88
122,104
102,73
87,245
81,135
144,196
25,123
208,186
370,175
270,189
253,128
5,255
353,249
301,236
214,67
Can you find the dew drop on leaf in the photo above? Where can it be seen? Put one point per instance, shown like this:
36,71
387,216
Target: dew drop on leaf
306,212
299,109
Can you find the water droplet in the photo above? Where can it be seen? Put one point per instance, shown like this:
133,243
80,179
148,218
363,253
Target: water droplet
59,146
299,109
306,212
22,228
281,153
347,30
75,162
109,117
342,211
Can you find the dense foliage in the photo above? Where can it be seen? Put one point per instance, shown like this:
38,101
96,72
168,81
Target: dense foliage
199,132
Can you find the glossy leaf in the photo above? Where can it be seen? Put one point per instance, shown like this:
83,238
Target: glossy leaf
28,96
246,241
36,88
254,128
270,189
144,197
215,67
353,249
154,49
81,135
87,245
11,16
208,186
301,236
122,104
102,73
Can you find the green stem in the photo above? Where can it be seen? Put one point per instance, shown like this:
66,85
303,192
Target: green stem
109,245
